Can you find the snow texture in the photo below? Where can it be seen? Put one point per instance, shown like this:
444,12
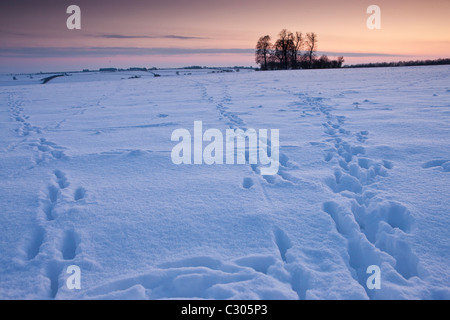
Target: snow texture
86,179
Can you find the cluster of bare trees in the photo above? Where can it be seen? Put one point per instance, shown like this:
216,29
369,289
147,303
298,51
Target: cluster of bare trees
292,51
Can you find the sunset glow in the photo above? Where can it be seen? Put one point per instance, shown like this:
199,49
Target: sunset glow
178,33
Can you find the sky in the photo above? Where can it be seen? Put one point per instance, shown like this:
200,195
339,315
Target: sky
176,33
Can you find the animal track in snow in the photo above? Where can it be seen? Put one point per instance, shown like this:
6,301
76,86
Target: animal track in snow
385,225
54,243
200,278
361,253
53,270
283,243
17,114
61,179
443,165
79,194
375,230
234,121
47,150
247,183
206,277
35,243
69,245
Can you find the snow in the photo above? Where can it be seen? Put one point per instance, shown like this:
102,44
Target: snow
87,180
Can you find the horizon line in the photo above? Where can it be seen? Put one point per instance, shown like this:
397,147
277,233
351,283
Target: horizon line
66,52
118,69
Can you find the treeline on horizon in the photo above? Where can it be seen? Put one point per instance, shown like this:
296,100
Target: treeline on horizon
401,63
292,51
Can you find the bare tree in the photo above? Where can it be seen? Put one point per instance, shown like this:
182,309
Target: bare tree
297,42
311,46
292,50
323,62
282,47
263,47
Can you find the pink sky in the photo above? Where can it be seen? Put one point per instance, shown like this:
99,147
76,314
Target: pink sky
176,33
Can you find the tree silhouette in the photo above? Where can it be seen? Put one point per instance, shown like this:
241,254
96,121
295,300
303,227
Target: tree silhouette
286,53
282,47
263,48
296,47
311,46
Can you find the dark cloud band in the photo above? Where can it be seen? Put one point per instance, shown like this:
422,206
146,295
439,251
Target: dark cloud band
51,52
169,36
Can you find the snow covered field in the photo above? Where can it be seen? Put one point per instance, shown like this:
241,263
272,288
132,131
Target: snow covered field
86,179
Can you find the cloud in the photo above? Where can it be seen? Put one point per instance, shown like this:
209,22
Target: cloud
16,34
359,54
72,52
168,36
114,36
50,52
